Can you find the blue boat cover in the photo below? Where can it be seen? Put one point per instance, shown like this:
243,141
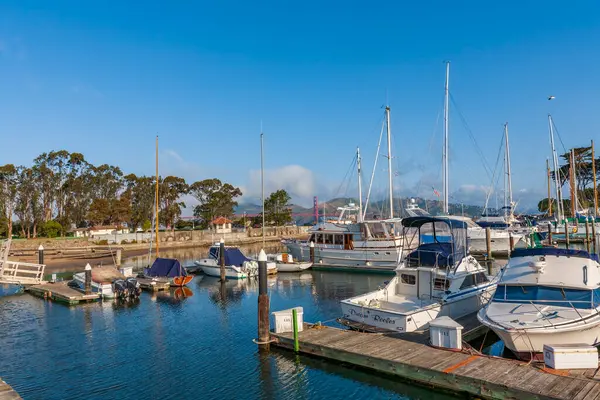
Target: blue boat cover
417,222
166,267
553,251
233,256
432,254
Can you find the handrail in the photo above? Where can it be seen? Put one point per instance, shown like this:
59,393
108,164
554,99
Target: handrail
543,316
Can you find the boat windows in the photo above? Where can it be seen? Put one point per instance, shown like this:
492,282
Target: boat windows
480,278
441,284
213,253
468,282
328,238
338,239
408,279
318,238
548,296
312,238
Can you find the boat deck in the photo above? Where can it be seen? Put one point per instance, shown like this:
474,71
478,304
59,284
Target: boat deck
61,292
409,357
154,285
7,392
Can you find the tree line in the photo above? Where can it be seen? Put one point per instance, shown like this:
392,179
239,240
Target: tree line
62,190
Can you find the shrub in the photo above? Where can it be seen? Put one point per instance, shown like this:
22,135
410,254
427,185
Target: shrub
51,229
102,242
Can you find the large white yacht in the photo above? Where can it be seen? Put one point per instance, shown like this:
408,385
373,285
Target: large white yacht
546,296
437,278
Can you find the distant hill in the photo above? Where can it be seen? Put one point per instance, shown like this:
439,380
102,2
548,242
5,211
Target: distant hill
376,209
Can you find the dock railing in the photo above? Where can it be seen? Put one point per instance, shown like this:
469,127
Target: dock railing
22,272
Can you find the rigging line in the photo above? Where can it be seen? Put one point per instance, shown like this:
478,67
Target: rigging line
374,169
472,137
345,176
429,150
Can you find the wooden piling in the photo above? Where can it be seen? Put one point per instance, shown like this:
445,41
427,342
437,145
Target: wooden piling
567,238
88,279
550,243
222,258
118,257
511,241
587,235
312,252
488,247
594,238
264,335
41,254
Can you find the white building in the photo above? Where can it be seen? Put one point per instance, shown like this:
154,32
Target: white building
222,225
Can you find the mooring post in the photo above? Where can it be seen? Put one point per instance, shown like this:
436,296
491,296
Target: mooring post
567,238
511,242
222,258
594,236
118,257
312,252
587,235
488,245
41,254
88,279
550,234
295,327
263,303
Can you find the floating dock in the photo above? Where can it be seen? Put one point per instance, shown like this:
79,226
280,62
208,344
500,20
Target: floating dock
61,292
154,285
7,392
411,358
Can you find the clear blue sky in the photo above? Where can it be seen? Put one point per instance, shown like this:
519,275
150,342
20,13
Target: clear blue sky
102,78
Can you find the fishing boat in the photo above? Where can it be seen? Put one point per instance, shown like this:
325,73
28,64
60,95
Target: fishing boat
171,269
548,296
286,263
237,265
438,278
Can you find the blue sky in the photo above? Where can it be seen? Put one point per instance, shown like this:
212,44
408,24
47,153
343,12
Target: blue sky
104,78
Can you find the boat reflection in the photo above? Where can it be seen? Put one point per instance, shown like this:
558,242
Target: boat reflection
174,296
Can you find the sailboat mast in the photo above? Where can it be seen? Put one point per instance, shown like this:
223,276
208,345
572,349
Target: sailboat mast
572,181
360,205
445,152
549,194
156,200
559,210
262,186
508,176
389,157
595,187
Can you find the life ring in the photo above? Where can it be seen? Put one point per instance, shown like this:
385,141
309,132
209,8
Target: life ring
575,229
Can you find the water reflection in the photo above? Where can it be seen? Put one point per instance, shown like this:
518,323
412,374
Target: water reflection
174,296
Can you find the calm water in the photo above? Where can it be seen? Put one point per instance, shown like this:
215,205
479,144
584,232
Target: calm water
169,346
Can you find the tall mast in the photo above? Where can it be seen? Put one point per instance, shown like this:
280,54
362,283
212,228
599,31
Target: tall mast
559,210
508,176
595,187
549,194
389,157
262,185
358,166
572,181
445,152
156,199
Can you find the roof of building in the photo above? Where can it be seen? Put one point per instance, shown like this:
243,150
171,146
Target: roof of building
220,221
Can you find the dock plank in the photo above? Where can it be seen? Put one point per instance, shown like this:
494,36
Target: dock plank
481,376
7,392
61,292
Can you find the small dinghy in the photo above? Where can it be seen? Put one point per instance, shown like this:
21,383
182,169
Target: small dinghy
286,263
171,269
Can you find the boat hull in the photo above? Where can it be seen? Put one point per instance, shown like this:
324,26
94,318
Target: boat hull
293,267
230,272
499,243
180,281
104,289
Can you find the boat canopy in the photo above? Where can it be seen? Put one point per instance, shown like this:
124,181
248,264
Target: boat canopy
233,255
166,267
417,222
552,251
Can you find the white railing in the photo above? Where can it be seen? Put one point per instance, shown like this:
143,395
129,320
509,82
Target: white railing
22,272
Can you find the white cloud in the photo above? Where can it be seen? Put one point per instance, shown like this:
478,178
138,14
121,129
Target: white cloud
298,181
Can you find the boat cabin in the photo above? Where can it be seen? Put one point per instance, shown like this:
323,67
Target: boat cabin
348,237
439,263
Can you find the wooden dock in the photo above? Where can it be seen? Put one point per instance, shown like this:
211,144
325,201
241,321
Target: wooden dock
410,358
7,392
61,292
154,285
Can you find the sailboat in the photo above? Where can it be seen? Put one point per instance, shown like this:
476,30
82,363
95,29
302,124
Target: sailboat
364,245
165,268
477,236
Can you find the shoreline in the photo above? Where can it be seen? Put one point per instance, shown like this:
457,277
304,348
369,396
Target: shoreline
58,264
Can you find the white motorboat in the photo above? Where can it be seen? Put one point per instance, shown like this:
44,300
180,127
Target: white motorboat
546,296
102,279
438,278
237,265
286,263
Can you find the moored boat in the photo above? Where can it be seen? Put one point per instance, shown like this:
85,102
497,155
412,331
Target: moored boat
102,280
237,265
171,269
437,278
546,296
286,263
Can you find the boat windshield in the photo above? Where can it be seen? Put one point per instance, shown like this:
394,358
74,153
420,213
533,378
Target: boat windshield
548,296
